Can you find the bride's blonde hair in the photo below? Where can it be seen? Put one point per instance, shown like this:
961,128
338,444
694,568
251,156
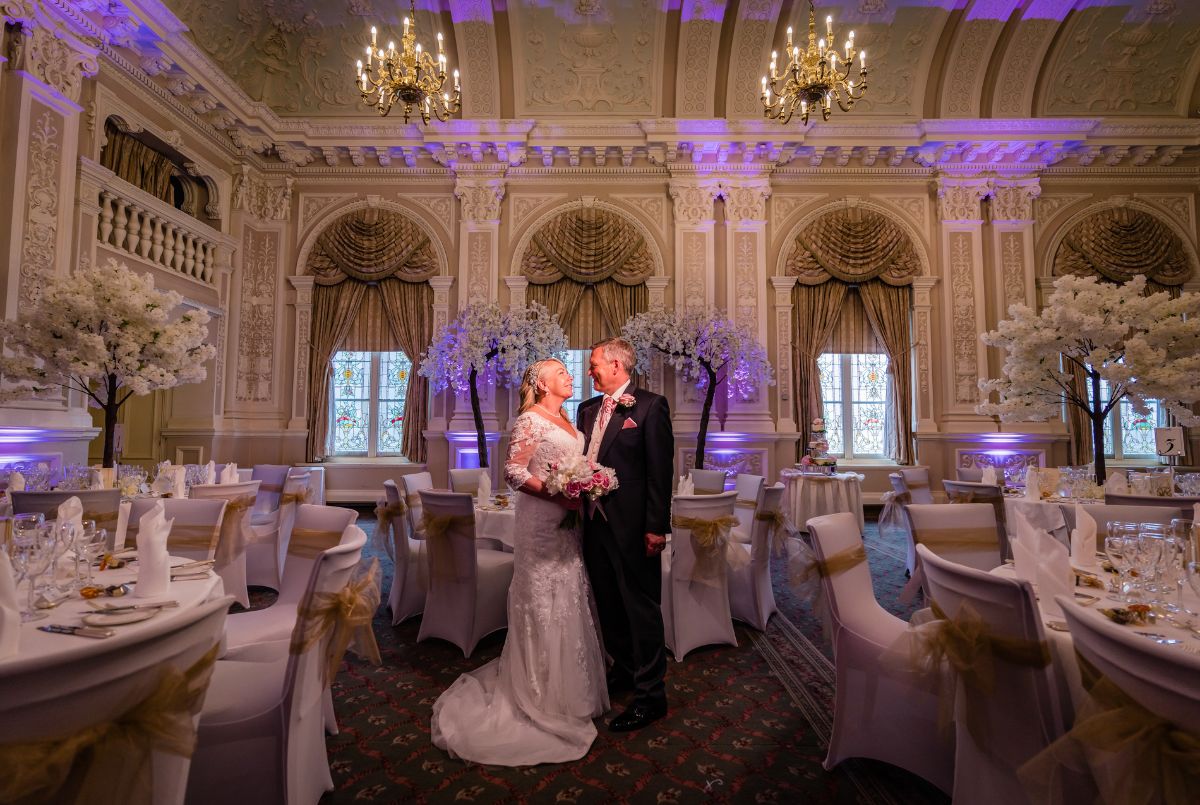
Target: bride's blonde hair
530,392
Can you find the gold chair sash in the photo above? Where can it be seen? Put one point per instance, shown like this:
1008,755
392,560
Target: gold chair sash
891,516
311,542
966,645
957,538
347,614
104,519
276,488
805,570
414,499
1163,758
192,537
111,762
385,513
710,543
441,559
303,496
708,492
777,531
746,504
239,536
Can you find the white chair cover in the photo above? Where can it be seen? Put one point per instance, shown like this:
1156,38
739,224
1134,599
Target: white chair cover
978,492
751,597
695,614
272,477
964,533
465,480
879,712
467,597
410,579
1164,680
747,486
316,483
972,475
1104,513
45,701
1023,713
1179,505
235,532
892,516
196,529
261,735
916,482
708,482
413,483
269,534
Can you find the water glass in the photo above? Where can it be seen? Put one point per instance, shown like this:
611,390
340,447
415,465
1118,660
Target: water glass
1119,549
32,554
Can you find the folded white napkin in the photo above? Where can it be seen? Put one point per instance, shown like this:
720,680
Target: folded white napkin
1024,561
1083,540
210,473
1117,483
485,487
685,487
1033,484
71,511
1040,558
154,566
229,474
989,475
10,610
16,482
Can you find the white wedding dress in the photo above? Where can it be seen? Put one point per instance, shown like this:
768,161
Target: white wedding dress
535,703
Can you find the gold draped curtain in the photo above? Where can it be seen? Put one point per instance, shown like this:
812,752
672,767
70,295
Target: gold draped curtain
589,266
371,294
138,163
855,269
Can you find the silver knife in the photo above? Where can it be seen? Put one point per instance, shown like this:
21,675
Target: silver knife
131,607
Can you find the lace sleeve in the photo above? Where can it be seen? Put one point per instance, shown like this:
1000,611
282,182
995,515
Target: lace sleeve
521,446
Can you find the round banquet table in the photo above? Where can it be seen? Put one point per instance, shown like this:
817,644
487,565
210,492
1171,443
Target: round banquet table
496,523
807,496
37,648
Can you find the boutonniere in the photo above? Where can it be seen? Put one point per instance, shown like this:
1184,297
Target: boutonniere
627,401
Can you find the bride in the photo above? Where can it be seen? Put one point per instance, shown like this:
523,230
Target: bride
535,703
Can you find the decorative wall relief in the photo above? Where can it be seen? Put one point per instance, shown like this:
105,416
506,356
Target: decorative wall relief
1019,69
1012,267
915,208
751,45
965,334
311,205
440,205
524,205
1013,200
479,267
480,199
695,250
54,59
899,54
39,241
783,205
1178,207
256,329
730,460
267,201
652,205
966,66
693,202
475,29
1048,207
588,57
699,37
1019,459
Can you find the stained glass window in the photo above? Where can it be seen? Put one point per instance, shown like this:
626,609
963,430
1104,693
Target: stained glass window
854,396
369,391
1128,434
576,361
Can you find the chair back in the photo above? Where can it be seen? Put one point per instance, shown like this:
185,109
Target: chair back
296,490
44,700
970,474
1179,505
1021,715
195,526
272,477
708,482
413,483
965,533
770,500
748,486
972,492
101,505
701,507
397,526
465,480
316,483
916,481
316,530
899,487
849,592
698,598
235,524
450,558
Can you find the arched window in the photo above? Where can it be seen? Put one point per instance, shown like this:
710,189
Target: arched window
366,406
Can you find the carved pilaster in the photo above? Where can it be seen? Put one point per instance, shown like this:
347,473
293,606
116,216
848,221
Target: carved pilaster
1012,240
656,290
785,402
746,285
516,291
479,227
694,250
922,342
438,408
303,306
43,49
960,209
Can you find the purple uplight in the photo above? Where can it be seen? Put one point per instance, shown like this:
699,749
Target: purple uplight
24,435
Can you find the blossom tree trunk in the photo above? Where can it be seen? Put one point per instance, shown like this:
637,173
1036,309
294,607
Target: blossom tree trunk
709,395
1097,415
480,437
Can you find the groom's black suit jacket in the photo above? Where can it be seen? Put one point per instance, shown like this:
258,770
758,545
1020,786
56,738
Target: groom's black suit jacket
642,455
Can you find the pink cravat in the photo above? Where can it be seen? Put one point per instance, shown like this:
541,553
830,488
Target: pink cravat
606,409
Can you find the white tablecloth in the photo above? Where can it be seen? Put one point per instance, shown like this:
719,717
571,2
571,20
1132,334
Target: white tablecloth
809,496
497,524
37,648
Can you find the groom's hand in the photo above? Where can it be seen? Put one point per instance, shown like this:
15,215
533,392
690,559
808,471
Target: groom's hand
655,544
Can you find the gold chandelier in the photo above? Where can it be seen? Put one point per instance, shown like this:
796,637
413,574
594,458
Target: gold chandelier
815,77
409,76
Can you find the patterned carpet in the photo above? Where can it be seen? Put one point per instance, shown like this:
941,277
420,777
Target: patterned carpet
747,723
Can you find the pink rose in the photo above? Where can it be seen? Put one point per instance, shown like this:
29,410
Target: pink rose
627,401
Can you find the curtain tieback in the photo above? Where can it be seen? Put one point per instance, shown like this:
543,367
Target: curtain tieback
347,615
115,764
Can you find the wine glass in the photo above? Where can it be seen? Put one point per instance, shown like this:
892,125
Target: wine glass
89,546
23,525
32,553
1117,547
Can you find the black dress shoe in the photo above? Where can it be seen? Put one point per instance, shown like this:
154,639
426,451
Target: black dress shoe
636,717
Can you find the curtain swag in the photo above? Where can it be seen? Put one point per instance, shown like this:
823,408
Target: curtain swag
138,163
853,245
1118,244
587,245
371,245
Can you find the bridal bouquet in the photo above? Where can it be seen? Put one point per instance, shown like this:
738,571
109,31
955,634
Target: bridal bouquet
580,479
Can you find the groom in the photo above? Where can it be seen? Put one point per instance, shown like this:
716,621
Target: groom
629,430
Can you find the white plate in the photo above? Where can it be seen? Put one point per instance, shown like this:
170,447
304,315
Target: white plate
119,618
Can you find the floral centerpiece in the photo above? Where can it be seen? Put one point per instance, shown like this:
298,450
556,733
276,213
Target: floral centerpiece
707,349
580,478
1144,347
108,333
497,345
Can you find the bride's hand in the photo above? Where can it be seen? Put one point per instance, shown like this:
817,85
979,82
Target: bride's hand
570,504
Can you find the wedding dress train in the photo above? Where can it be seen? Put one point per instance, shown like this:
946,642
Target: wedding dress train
535,703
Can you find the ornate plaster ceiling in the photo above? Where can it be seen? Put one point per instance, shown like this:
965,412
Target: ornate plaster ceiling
638,59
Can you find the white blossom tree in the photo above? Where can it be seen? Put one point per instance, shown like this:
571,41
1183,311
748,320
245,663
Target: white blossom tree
1144,348
107,332
497,345
707,349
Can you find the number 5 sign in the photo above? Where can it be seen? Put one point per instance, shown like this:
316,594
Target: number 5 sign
1168,441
